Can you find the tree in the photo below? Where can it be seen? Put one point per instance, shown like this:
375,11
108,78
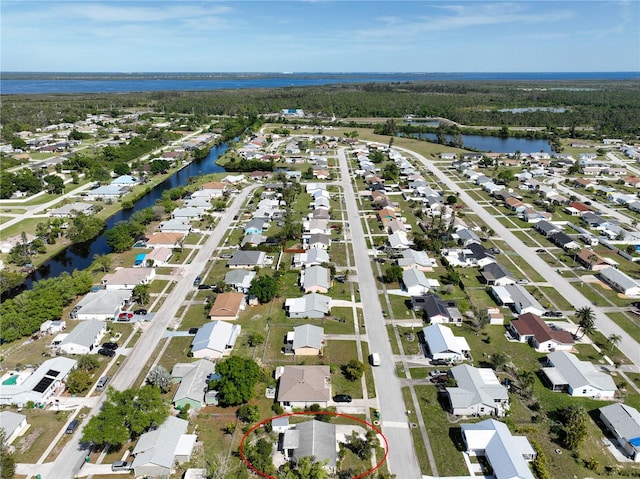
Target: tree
121,169
119,237
88,362
255,339
78,381
353,370
265,288
7,458
238,377
393,274
159,377
159,167
140,293
84,228
304,468
248,413
101,263
574,431
55,184
586,321
498,360
527,380
360,446
614,339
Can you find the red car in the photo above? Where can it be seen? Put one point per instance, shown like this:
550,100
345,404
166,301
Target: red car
125,315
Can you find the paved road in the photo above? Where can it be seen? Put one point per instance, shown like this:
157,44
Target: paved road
606,326
402,460
70,460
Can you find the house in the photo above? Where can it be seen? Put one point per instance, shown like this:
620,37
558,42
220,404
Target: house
593,261
13,424
104,305
565,372
478,392
473,255
227,306
53,327
517,298
312,305
215,340
7,244
319,213
256,226
156,451
507,455
620,281
546,228
107,192
72,210
215,189
442,344
315,279
436,310
399,241
564,241
312,257
159,257
165,240
187,214
125,180
128,278
318,240
496,274
193,383
38,386
415,282
302,386
623,422
247,259
305,340
530,328
465,236
315,226
313,438
240,279
175,226
419,260
253,240
84,338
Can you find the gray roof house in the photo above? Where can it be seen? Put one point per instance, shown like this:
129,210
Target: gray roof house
85,337
311,439
518,298
311,257
497,274
312,305
565,372
155,452
436,310
415,282
305,340
442,344
624,423
247,259
318,240
302,386
239,279
72,210
546,228
104,304
506,454
193,383
215,340
412,259
315,279
479,392
13,424
620,281
40,385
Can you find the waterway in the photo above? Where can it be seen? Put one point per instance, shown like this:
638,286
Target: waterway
497,144
80,256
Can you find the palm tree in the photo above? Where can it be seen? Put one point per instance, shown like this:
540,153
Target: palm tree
614,339
586,321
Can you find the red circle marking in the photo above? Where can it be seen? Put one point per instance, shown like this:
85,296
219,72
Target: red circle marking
314,413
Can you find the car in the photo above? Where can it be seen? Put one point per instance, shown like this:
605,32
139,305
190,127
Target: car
439,362
522,281
102,383
494,250
226,256
71,428
374,359
342,398
196,281
125,315
110,345
553,314
140,312
588,203
437,372
235,217
204,286
439,379
121,466
107,352
541,250
193,330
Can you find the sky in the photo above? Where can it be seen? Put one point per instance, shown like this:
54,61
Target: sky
319,36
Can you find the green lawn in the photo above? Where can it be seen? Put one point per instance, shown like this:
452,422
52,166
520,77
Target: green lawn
418,443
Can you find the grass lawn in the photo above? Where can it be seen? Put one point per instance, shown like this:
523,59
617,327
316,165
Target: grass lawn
176,352
158,285
418,443
399,308
556,298
195,317
43,427
628,322
409,346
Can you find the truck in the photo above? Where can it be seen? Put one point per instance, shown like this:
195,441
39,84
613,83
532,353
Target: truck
374,359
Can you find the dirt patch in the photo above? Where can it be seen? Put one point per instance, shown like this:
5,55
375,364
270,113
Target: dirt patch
26,442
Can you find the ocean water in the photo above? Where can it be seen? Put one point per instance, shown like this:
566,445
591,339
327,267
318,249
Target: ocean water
13,83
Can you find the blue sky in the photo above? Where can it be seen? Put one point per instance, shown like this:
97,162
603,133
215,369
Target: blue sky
320,36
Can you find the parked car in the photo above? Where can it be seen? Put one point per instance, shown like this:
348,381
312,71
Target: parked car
140,312
71,428
522,281
439,362
107,352
102,383
196,281
110,345
342,398
439,379
541,250
121,466
125,315
193,330
204,286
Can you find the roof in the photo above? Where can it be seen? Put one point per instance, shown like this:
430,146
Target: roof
441,339
305,384
625,420
227,304
614,275
54,369
413,277
158,447
411,257
307,336
314,438
85,333
530,324
215,336
103,301
194,382
578,373
71,207
494,271
308,302
127,276
434,306
319,238
241,277
10,421
247,258
165,238
316,276
520,296
316,255
503,451
476,386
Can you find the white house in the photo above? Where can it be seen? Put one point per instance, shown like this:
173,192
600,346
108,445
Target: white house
620,281
13,424
84,338
312,305
128,278
442,344
479,392
415,282
624,423
215,340
38,386
104,304
565,372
